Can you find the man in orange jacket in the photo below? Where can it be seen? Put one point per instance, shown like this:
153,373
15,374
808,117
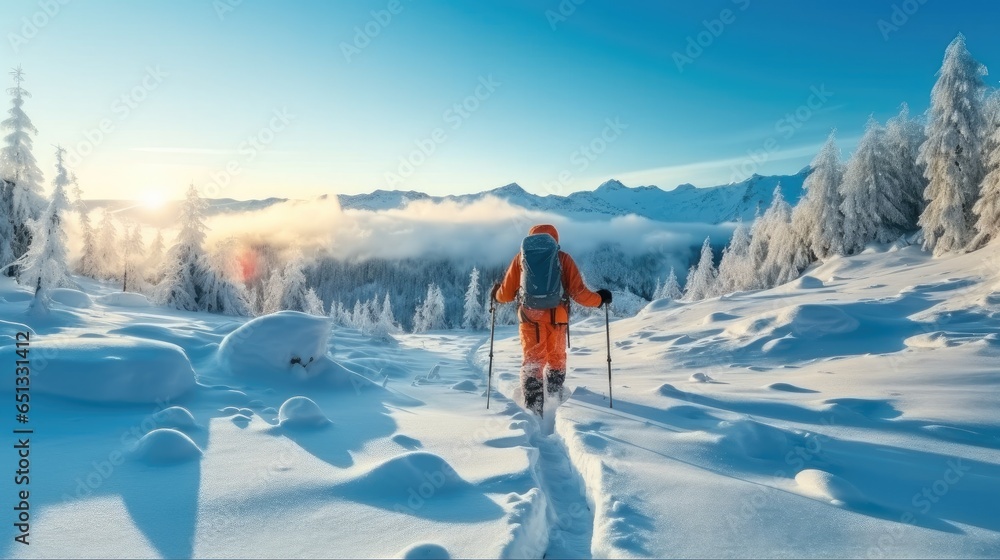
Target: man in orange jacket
544,331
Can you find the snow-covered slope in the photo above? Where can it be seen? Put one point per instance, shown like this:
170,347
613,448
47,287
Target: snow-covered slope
686,203
850,413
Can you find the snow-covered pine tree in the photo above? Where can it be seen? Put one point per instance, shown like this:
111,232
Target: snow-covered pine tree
108,259
734,268
952,153
903,137
787,252
274,291
88,264
671,288
314,305
45,265
702,284
818,217
987,208
430,314
20,173
133,249
185,268
295,286
472,317
192,282
385,326
874,208
153,264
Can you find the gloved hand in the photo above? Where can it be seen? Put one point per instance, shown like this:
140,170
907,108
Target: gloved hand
493,292
605,296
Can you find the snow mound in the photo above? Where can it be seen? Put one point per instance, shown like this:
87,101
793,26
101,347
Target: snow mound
176,417
71,298
165,446
788,388
467,385
125,299
424,551
718,317
808,283
111,370
413,471
809,321
289,343
755,439
700,377
830,487
301,413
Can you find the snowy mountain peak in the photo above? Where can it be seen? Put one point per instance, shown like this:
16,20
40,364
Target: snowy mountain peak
612,185
512,189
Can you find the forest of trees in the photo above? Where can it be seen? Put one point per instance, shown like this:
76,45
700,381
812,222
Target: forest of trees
934,178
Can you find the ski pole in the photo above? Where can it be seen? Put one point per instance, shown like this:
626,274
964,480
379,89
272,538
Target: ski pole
493,325
607,326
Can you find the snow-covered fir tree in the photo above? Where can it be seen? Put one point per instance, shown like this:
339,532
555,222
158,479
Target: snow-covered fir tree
903,138
108,255
295,287
670,289
702,283
192,282
45,266
952,153
88,264
133,250
19,174
313,304
153,264
734,268
473,317
385,326
787,251
274,292
874,207
987,208
817,216
430,314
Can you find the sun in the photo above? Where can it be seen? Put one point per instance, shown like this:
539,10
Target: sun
153,199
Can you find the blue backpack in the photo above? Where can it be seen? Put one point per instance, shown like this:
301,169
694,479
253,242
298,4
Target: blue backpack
541,272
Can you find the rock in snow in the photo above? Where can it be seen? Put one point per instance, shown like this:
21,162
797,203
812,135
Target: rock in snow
110,370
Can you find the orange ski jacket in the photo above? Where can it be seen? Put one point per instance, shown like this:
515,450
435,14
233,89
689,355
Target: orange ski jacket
572,280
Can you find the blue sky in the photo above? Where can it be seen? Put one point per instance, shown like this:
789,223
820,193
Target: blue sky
452,97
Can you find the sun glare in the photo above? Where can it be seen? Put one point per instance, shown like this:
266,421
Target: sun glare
153,199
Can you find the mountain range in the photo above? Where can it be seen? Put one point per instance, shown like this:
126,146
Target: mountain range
686,203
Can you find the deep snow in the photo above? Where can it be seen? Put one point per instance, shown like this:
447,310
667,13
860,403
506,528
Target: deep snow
850,413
